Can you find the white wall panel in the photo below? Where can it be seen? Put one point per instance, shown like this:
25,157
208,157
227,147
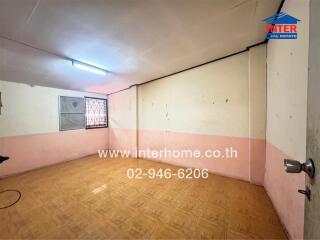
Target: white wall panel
32,110
211,99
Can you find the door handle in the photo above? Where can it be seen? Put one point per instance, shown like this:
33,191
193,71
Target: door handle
294,166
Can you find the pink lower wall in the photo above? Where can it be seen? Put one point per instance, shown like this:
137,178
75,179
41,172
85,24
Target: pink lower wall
34,151
231,167
236,167
123,139
282,189
257,161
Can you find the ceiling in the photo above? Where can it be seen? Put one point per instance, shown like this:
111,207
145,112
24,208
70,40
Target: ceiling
136,40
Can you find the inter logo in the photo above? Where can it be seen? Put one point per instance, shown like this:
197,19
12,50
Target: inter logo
281,26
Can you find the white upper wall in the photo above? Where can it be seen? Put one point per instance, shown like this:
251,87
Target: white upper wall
258,93
287,86
211,99
32,110
123,109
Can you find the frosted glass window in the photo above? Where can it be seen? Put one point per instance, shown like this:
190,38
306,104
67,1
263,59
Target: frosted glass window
71,113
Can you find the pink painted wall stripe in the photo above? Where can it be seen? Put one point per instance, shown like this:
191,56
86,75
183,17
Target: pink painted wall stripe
34,151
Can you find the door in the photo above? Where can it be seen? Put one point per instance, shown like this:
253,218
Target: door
312,207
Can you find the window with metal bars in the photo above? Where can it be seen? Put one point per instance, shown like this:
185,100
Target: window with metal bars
96,113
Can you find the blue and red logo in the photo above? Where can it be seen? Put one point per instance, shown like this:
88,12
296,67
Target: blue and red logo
282,26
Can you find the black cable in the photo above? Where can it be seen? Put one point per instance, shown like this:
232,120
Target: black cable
11,190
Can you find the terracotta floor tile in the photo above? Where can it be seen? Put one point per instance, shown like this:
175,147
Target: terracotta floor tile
93,198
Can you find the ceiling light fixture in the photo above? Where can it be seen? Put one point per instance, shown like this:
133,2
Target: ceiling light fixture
89,68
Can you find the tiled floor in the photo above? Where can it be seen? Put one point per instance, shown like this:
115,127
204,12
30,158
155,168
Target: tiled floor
93,198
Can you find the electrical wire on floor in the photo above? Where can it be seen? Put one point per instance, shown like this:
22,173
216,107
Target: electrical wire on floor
11,204
2,159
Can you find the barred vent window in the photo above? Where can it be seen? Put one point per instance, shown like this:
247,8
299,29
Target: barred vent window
96,112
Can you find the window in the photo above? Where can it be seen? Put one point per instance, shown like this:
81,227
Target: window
96,112
71,113
80,113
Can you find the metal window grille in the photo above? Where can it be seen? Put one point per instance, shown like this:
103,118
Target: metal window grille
96,112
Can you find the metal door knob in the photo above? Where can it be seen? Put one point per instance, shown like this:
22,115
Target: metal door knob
294,166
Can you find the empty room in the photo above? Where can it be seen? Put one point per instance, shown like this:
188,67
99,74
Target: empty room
159,119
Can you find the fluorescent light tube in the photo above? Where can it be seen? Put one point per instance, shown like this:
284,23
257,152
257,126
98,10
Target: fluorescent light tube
88,68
